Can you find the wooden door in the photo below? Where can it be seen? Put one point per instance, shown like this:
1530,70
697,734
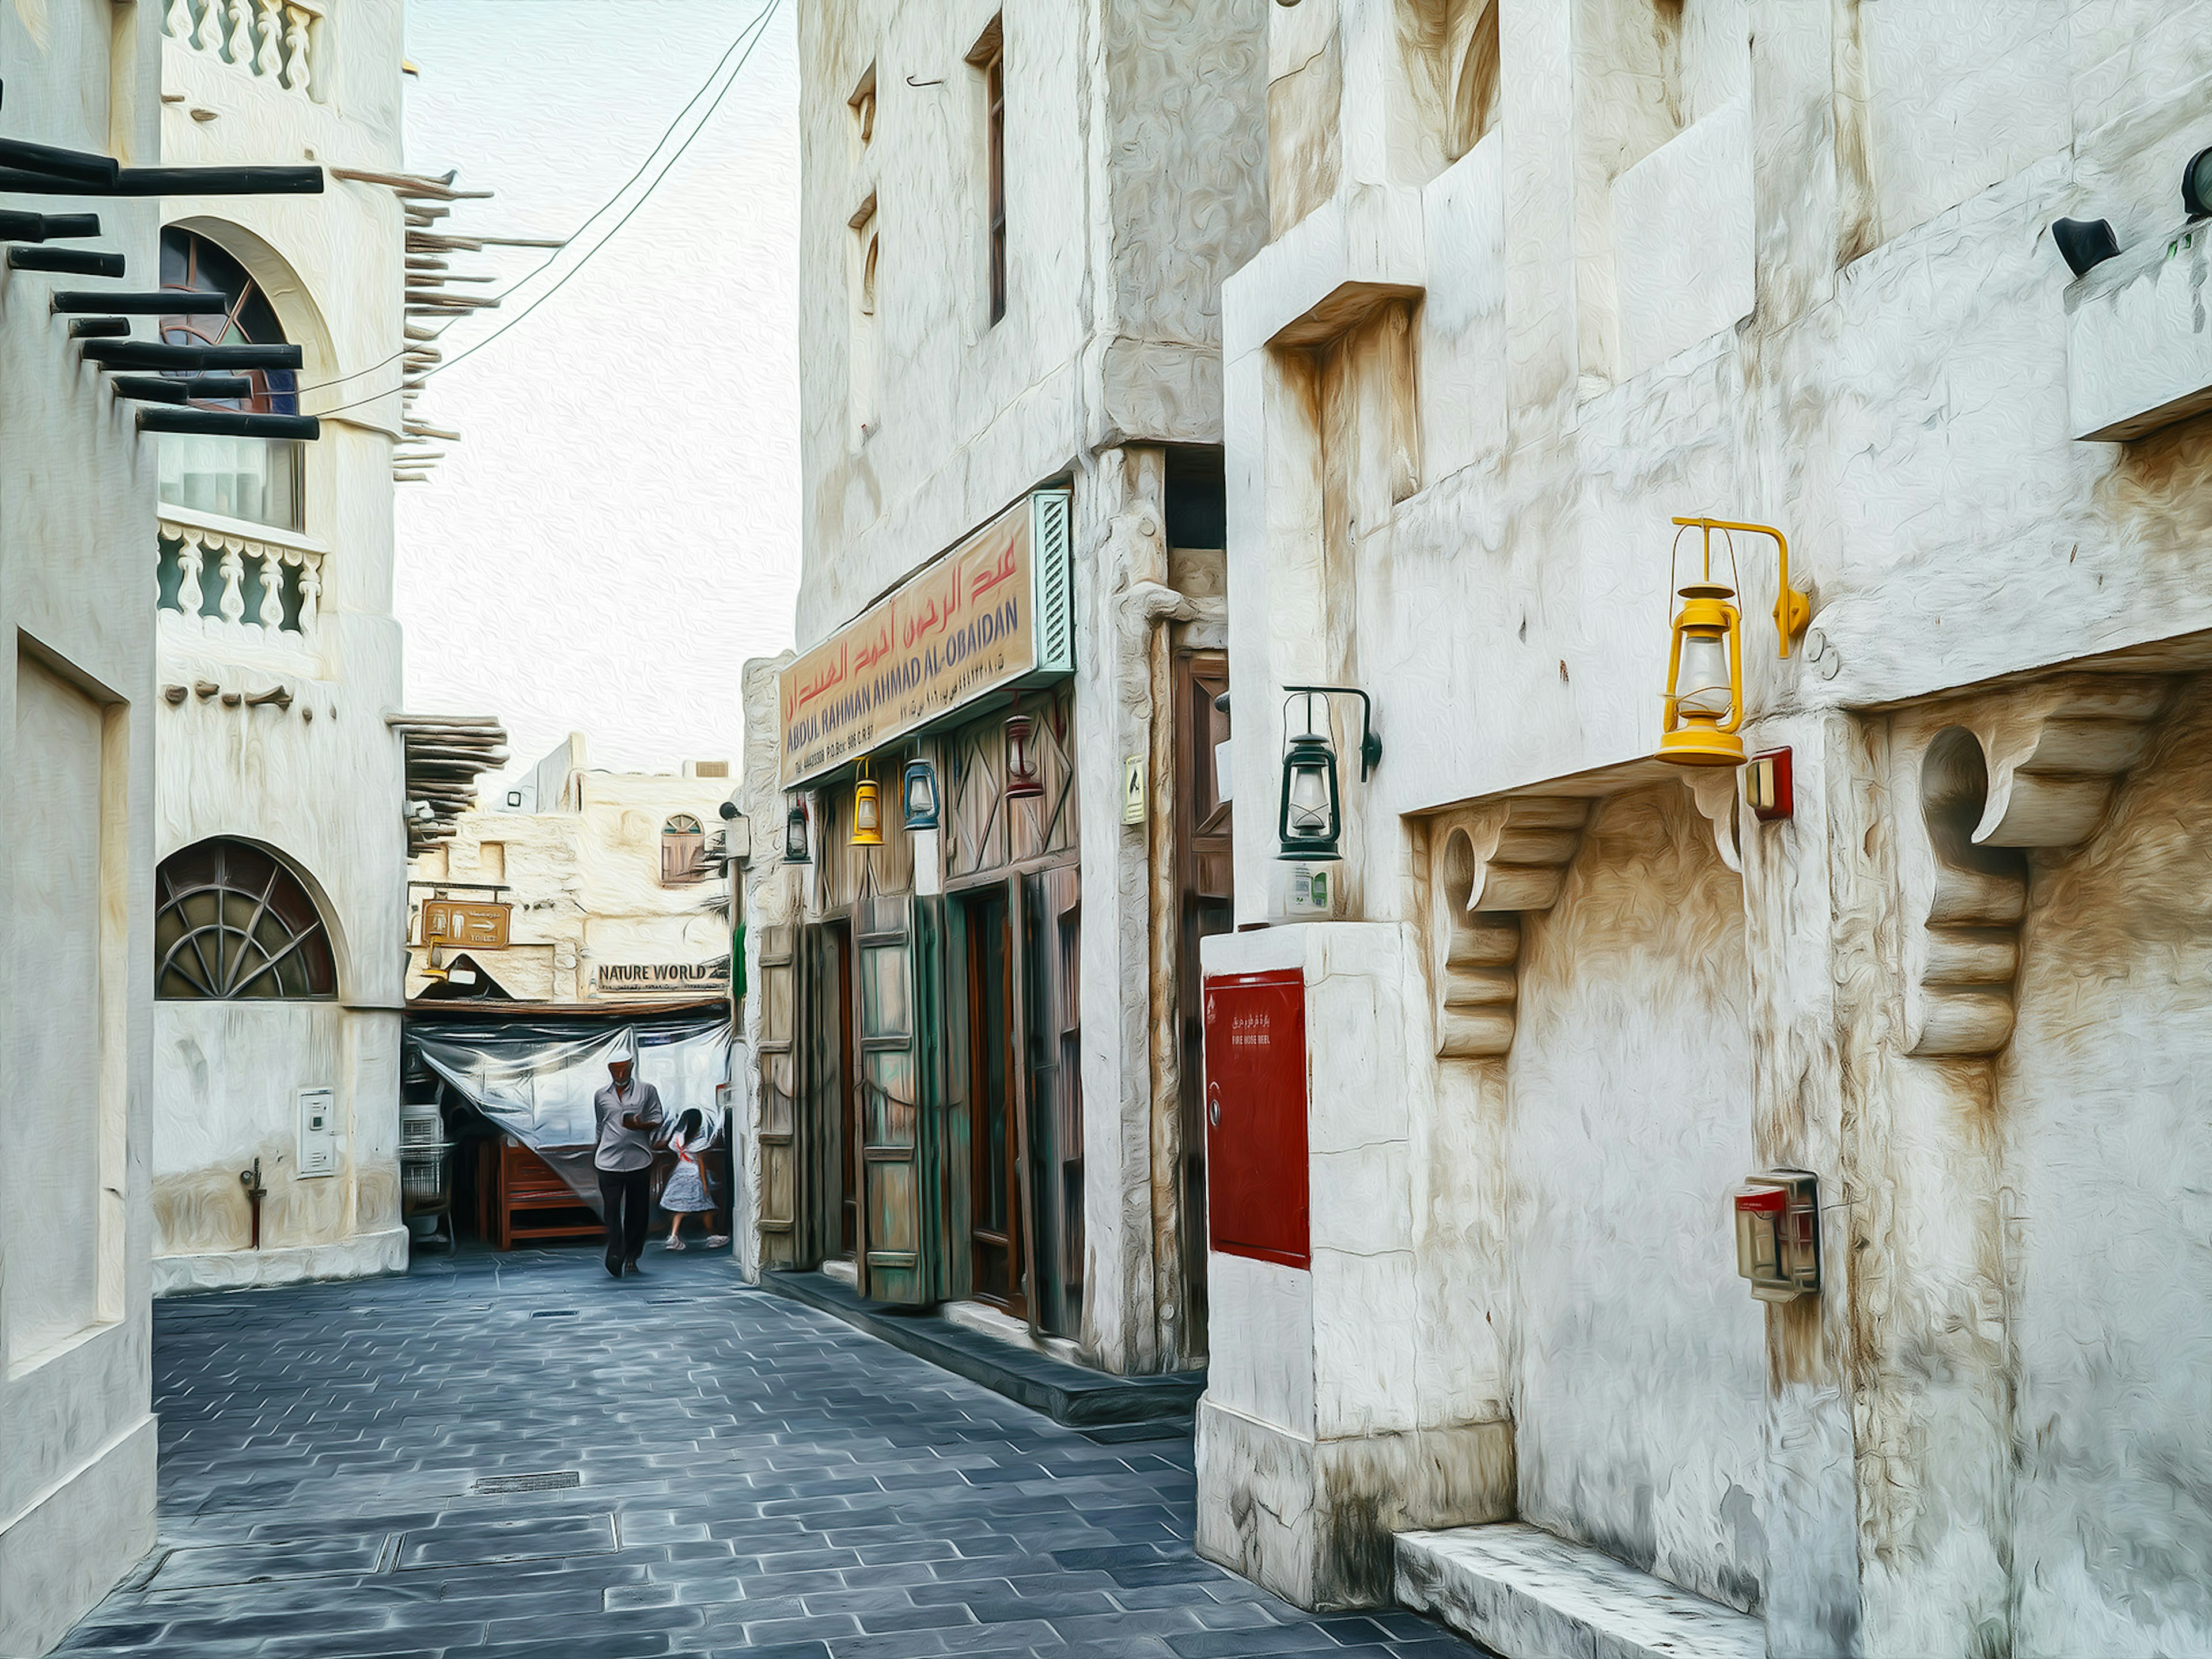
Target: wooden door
824,1073
782,1017
996,1245
1204,862
845,1239
1052,1041
896,945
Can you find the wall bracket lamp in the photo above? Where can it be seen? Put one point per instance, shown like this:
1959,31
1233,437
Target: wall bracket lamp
1311,818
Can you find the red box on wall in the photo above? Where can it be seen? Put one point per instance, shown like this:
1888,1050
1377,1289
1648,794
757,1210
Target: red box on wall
1255,1116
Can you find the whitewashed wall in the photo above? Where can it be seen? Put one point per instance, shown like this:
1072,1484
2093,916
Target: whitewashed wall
77,792
1787,264
319,782
1639,1389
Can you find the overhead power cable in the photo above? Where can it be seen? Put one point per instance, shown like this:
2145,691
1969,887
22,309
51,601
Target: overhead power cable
754,29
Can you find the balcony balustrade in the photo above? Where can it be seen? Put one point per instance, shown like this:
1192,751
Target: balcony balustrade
229,584
276,39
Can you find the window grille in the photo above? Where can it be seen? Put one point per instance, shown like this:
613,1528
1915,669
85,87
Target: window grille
233,923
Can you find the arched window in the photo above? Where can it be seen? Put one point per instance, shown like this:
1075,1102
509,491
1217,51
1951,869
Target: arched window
258,479
683,852
231,922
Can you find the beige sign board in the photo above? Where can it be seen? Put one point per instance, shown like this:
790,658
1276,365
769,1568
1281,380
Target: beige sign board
473,923
965,626
616,979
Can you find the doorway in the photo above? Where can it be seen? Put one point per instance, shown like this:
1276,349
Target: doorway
847,1224
996,1229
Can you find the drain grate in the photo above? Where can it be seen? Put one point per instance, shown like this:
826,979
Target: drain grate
556,1313
552,1481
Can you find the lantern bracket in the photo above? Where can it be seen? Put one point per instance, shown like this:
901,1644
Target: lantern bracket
1793,607
1370,746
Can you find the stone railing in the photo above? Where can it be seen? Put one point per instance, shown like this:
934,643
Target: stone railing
277,39
227,582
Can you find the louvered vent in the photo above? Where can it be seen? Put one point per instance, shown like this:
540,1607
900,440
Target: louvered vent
1050,528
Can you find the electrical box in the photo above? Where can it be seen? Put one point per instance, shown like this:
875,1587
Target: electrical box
318,1132
1310,889
1777,1235
1255,1116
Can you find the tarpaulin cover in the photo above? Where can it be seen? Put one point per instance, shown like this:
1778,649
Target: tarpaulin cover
535,1076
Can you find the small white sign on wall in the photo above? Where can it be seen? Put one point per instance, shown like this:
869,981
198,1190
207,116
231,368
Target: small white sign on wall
318,1132
1133,789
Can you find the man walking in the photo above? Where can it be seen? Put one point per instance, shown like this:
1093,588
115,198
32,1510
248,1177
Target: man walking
628,1114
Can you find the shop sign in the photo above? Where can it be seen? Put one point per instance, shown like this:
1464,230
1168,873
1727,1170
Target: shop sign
471,922
995,613
624,978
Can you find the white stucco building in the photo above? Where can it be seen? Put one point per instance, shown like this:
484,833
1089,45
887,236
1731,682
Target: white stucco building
279,841
973,1041
615,886
1543,276
76,820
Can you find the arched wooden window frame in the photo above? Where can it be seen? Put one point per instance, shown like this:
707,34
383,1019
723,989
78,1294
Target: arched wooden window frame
232,922
683,852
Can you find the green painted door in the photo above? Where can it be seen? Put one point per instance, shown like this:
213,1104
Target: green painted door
898,942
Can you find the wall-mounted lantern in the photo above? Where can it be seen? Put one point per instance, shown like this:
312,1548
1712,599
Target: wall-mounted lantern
867,811
1311,818
1705,661
1022,782
920,792
794,834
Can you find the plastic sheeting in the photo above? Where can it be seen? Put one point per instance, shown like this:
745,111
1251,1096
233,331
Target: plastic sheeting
535,1076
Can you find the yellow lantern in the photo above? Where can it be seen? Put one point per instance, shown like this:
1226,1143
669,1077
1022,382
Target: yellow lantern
1705,662
867,811
1705,680
1705,670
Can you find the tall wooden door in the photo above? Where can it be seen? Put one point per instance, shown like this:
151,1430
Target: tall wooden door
900,1024
1204,862
996,1245
782,1022
1052,957
824,1078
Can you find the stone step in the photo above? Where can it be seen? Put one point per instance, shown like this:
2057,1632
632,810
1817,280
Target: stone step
1072,1394
1528,1595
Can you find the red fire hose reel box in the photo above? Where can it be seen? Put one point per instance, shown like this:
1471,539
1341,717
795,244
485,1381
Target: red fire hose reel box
1255,1116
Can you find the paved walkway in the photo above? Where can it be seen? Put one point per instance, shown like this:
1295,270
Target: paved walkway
519,1456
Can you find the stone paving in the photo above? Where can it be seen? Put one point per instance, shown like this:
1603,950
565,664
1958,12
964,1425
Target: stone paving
352,1470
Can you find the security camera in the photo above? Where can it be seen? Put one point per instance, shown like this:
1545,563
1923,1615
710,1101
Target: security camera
730,810
2196,185
2084,244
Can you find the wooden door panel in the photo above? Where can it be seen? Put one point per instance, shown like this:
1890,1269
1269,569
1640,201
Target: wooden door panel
779,1072
891,1084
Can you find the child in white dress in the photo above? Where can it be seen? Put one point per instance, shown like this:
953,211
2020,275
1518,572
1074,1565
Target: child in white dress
686,1193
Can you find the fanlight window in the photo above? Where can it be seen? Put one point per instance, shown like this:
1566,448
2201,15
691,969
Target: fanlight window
683,852
253,478
232,922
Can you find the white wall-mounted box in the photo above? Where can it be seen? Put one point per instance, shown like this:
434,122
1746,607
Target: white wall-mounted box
319,1133
2138,339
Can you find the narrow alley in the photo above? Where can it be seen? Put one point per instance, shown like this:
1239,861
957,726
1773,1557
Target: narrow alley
518,1457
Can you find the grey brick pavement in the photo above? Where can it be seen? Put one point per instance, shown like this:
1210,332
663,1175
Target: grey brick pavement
752,1477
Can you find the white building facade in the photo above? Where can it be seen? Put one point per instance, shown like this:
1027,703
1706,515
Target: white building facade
77,818
614,887
280,846
1544,277
969,1040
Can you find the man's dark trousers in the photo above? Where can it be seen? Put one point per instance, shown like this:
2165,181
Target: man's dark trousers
625,1195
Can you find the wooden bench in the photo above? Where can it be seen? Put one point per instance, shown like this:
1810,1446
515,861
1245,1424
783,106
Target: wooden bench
524,1186
518,1184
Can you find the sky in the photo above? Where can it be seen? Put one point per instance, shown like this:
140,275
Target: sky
617,530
